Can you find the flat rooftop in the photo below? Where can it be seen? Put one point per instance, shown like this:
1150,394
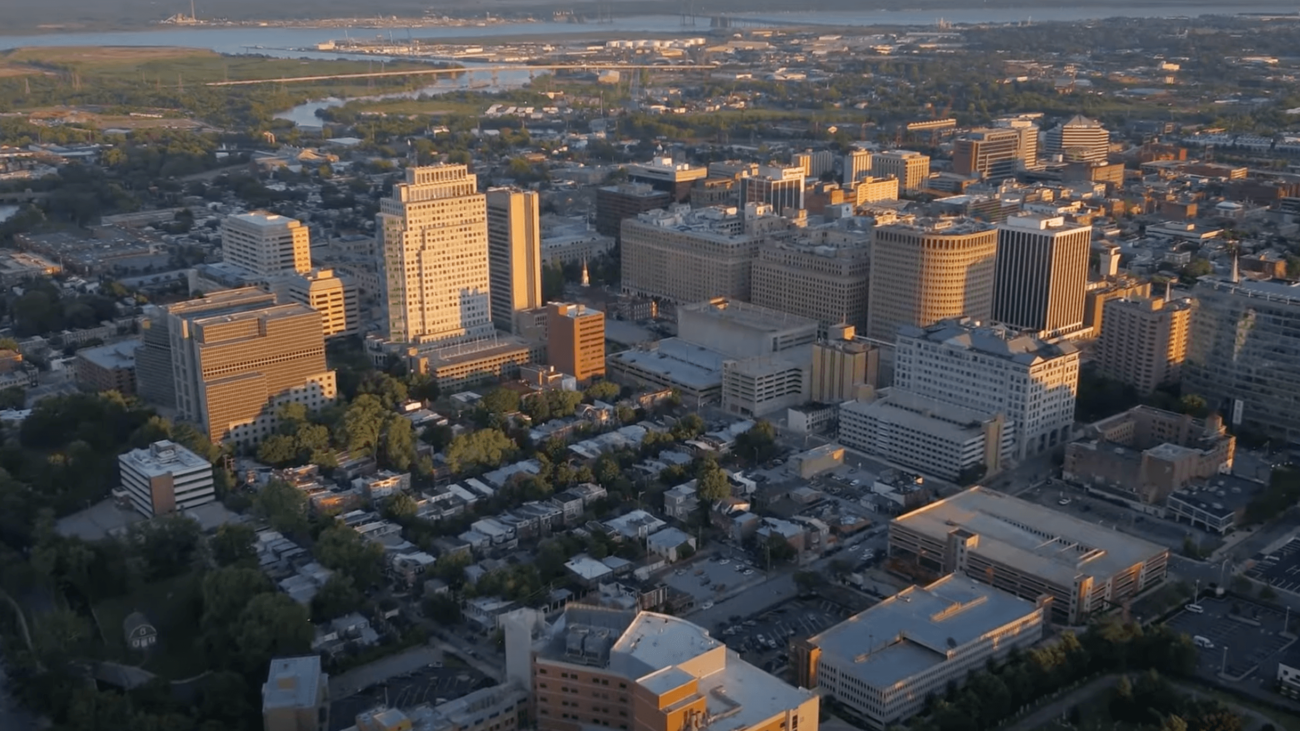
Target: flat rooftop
263,219
677,361
744,314
915,629
163,458
1002,343
1031,538
109,357
292,682
914,411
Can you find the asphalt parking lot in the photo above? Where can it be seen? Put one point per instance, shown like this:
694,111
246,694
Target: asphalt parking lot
1281,568
431,685
706,579
1249,648
763,639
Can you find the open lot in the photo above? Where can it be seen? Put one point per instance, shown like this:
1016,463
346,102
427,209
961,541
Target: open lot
707,579
1281,568
1241,648
430,685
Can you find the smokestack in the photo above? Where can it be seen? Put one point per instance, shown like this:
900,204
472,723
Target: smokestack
1236,271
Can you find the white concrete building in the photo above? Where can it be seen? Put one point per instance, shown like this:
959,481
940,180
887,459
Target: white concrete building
165,478
266,244
993,371
925,434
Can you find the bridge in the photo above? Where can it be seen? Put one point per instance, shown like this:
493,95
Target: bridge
493,68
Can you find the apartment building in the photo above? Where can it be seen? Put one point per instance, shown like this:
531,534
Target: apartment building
108,367
296,695
165,478
921,433
232,371
432,234
886,662
683,255
1101,291
514,254
644,671
929,271
994,371
1144,342
911,168
1042,274
265,244
819,273
1243,355
575,340
1028,550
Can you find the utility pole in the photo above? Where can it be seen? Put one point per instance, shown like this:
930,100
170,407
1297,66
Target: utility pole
1223,668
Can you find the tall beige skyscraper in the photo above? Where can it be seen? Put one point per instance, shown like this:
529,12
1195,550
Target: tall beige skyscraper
1144,341
929,271
514,254
433,234
910,167
1042,274
265,244
334,299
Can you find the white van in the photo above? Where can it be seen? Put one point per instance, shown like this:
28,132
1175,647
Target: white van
1195,608
1203,642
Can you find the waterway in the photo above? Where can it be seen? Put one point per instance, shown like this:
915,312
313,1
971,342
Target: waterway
5,213
265,39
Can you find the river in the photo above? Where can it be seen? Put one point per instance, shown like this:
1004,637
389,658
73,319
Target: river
264,40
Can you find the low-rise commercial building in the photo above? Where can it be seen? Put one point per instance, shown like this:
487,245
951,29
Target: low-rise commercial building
884,663
627,670
921,433
296,695
108,367
164,478
1028,550
1216,504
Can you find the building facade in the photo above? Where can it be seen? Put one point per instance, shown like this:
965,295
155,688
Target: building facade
1042,274
323,291
988,153
265,244
662,174
687,255
778,187
432,234
911,168
296,695
1078,139
575,340
819,273
857,165
108,367
843,367
232,371
616,203
993,371
514,254
1144,342
1243,355
1028,550
885,662
931,271
165,478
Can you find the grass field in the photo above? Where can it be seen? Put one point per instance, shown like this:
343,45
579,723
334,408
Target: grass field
171,606
169,64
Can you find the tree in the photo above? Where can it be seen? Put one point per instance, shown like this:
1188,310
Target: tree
500,401
779,549
1197,267
271,625
688,427
712,484
341,548
442,609
602,391
283,506
168,544
390,391
1194,405
339,596
758,443
278,450
808,580
399,443
233,545
400,506
438,436
226,592
480,448
363,422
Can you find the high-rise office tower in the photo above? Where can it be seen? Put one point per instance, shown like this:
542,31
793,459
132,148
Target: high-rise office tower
232,371
925,272
155,381
432,232
333,298
1244,353
779,187
1042,274
514,254
1079,140
1144,341
1026,126
265,244
662,174
987,153
820,273
857,165
616,203
575,340
911,168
